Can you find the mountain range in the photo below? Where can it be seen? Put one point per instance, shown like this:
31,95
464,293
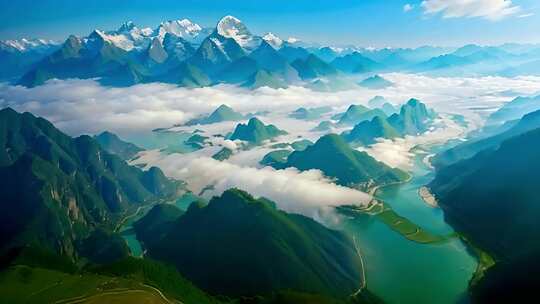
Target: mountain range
225,248
184,53
413,118
67,194
255,131
349,167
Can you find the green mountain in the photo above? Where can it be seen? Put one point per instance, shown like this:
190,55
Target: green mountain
292,53
313,67
29,275
336,159
377,101
270,60
388,109
509,280
114,145
355,63
309,113
358,113
492,197
515,109
274,158
383,104
196,141
222,113
413,118
376,83
186,75
215,53
238,71
156,223
225,247
301,145
255,131
223,154
367,131
95,57
323,126
59,189
352,111
264,79
469,148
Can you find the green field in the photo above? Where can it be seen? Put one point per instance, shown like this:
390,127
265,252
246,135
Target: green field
23,284
396,222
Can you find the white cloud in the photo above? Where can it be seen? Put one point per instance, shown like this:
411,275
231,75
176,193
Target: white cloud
408,7
84,106
308,193
526,15
398,152
488,9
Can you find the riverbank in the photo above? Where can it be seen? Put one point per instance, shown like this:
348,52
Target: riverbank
428,197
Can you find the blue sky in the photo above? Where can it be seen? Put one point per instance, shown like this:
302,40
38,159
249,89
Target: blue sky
376,23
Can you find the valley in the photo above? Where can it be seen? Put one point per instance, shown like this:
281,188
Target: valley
385,154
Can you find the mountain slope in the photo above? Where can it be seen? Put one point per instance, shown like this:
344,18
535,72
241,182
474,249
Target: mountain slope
493,197
358,113
515,109
367,131
336,159
220,114
313,67
230,256
255,131
376,83
95,56
355,63
59,189
413,118
114,145
468,149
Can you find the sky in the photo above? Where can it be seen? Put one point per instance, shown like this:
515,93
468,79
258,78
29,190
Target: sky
368,23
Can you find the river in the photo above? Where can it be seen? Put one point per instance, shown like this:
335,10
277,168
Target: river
397,269
402,271
128,233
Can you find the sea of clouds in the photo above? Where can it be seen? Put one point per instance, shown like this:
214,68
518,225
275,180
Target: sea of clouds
85,107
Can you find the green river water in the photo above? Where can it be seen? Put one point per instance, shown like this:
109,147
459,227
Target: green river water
402,271
398,270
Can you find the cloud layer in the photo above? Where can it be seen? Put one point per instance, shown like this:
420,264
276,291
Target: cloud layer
488,9
84,106
308,193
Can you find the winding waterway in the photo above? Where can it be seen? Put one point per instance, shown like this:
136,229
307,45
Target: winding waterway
397,269
402,271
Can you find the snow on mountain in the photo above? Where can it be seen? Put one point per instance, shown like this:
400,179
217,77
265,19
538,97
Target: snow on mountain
119,40
184,28
231,27
273,40
24,44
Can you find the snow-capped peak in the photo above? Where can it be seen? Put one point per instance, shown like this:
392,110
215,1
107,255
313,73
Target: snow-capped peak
273,40
232,27
118,40
27,44
182,28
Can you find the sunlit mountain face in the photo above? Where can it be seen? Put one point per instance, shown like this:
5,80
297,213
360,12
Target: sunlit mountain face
266,158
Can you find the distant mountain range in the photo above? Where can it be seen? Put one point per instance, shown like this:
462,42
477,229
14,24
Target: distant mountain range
184,53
